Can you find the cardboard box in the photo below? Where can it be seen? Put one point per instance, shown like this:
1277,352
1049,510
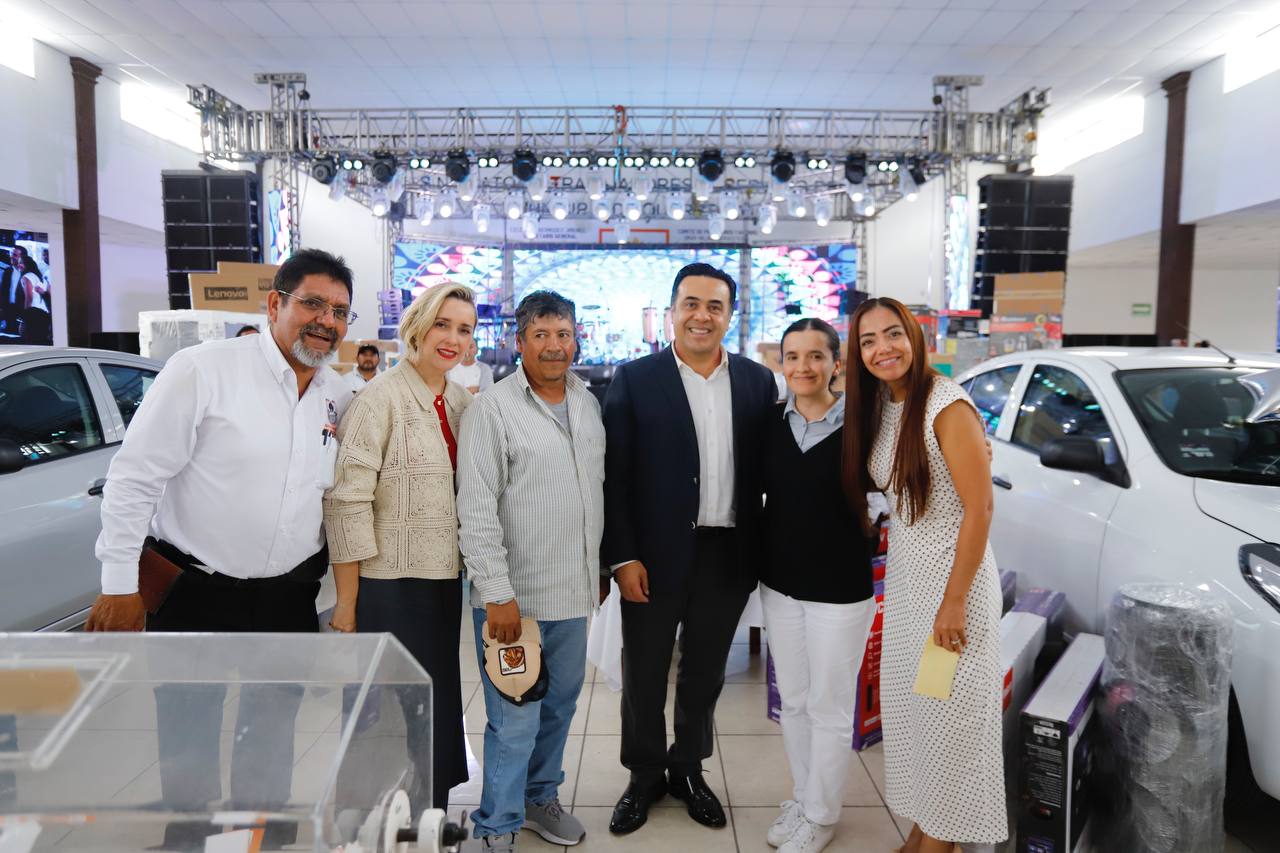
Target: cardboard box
1057,740
162,333
1023,332
1029,293
234,287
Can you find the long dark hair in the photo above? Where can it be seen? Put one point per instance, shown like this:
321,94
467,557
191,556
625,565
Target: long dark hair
863,400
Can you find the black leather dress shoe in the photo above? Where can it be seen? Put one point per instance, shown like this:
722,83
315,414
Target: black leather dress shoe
632,809
703,805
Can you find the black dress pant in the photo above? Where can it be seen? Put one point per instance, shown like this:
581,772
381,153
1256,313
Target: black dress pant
189,716
426,617
708,604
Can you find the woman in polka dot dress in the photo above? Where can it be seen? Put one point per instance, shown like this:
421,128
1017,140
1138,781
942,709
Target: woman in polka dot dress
916,436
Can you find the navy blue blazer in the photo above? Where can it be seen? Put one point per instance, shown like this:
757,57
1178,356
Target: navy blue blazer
651,464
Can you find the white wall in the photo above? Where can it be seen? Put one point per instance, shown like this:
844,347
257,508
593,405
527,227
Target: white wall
1100,300
133,280
1230,144
1235,309
38,143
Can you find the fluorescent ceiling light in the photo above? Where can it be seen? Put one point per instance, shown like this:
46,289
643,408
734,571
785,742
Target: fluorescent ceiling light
1252,60
1087,132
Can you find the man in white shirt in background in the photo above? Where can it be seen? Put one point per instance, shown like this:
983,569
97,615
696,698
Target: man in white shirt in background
221,474
475,376
368,360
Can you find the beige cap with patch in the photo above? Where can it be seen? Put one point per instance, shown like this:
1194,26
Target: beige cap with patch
516,669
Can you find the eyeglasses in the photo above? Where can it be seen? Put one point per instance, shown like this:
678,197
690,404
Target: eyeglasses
319,308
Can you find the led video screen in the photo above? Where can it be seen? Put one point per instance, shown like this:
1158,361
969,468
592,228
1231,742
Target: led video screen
26,300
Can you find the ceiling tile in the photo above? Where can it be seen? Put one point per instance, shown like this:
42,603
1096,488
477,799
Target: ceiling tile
951,26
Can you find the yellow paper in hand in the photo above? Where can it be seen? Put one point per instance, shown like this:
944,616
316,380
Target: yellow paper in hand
936,671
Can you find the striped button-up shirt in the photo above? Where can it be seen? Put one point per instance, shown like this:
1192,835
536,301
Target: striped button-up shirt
531,499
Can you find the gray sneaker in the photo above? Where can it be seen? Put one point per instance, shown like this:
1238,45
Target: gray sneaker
553,823
491,844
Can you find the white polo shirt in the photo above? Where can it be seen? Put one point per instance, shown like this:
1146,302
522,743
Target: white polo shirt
224,461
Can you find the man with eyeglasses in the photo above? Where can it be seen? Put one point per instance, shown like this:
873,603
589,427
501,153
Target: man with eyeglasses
218,486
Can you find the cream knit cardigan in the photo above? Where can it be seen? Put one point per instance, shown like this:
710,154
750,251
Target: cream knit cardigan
391,507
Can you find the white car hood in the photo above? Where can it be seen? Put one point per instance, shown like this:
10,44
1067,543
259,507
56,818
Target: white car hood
1253,509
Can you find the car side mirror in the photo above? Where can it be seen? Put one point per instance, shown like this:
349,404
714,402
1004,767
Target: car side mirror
1083,455
11,457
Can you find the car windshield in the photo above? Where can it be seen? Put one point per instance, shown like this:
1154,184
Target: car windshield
1195,418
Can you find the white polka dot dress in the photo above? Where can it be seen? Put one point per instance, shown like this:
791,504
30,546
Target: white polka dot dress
943,762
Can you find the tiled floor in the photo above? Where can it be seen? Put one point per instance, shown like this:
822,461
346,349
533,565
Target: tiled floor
748,772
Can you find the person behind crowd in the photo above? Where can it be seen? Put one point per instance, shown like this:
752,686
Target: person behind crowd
217,477
531,502
248,330
475,376
391,520
915,435
682,504
368,360
815,586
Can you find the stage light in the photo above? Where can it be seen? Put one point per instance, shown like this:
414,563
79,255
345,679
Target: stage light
427,209
797,205
855,192
601,209
766,218
782,166
888,166
395,189
552,161
611,161
348,163
824,207
677,205
745,161
537,186
523,164
907,186
855,167
715,226
729,205
701,188
383,168
595,185
711,164
356,165
916,169
488,161
447,205
378,202
559,206
324,170
480,217
419,162
818,163
642,186
457,166
338,189
631,162
467,189
529,225
685,161
869,209
515,205
632,207
664,161
622,231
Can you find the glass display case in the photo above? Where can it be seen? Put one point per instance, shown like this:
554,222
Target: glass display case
228,742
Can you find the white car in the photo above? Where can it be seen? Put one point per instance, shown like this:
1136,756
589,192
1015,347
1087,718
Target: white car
1123,465
63,413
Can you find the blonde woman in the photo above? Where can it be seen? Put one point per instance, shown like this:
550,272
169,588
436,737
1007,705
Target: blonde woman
391,520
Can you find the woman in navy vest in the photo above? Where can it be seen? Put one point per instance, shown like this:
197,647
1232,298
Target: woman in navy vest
818,603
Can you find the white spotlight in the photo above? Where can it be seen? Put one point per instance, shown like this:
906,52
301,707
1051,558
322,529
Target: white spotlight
338,189
537,186
447,205
378,202
766,218
856,192
779,191
601,209
823,208
622,231
515,205
642,186
677,205
715,226
559,206
633,208
480,216
701,188
467,189
907,185
798,205
427,209
595,186
869,210
729,205
529,223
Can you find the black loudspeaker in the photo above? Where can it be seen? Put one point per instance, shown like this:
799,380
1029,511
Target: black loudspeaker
1024,223
115,341
208,217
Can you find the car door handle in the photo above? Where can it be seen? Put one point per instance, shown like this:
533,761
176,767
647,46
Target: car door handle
96,489
1001,482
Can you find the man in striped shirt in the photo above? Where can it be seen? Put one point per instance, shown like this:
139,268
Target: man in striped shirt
531,508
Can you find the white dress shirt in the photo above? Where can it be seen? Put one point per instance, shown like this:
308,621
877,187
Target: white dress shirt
355,381
711,403
475,375
224,461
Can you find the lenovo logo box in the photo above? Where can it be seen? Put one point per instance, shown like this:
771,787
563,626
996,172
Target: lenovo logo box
235,286
1058,739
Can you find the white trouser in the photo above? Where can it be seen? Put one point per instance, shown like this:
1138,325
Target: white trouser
817,651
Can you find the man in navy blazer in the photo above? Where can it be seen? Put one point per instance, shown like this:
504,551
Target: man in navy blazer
682,501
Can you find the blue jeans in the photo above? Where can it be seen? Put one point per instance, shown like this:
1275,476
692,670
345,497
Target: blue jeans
524,744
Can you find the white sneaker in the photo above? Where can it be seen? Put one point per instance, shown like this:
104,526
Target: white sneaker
785,824
809,837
